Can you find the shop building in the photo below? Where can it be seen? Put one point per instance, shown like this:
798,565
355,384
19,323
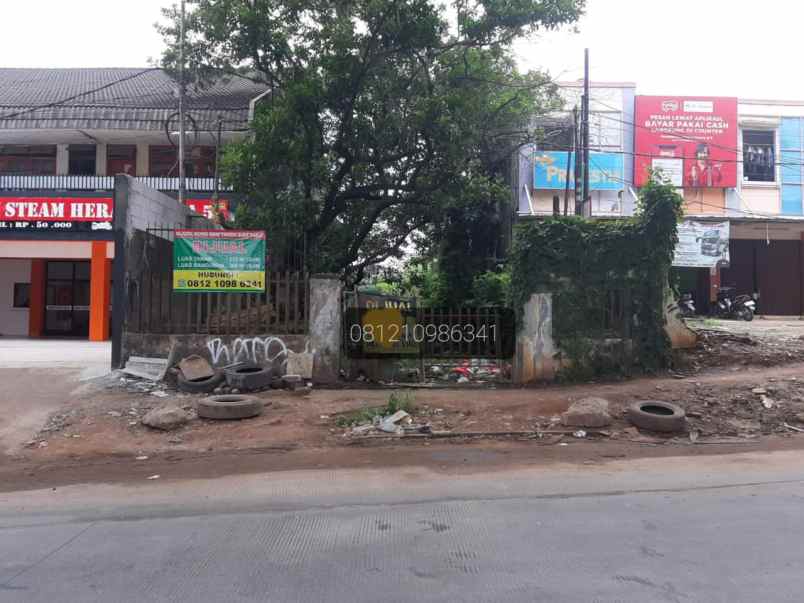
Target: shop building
544,167
64,135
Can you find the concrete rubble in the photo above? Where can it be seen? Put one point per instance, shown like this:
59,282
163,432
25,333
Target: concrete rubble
166,418
587,412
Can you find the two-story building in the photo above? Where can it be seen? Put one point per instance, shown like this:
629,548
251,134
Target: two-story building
64,134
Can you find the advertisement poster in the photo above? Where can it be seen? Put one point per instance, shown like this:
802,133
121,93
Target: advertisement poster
219,261
702,244
205,207
56,213
550,171
692,140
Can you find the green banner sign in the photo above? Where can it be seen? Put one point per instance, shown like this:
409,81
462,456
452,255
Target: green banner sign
219,261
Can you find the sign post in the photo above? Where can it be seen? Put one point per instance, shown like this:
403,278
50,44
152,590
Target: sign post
219,261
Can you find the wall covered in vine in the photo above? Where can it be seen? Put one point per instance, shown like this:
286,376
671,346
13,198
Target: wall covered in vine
608,279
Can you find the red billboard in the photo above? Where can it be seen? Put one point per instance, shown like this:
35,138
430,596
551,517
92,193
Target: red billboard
205,208
56,213
692,140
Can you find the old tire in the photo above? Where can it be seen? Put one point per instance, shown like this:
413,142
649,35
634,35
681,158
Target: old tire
229,406
249,377
199,386
655,415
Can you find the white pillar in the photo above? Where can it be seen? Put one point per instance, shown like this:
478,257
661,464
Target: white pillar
62,159
100,159
143,157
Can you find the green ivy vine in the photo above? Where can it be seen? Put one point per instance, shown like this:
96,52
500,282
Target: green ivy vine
599,268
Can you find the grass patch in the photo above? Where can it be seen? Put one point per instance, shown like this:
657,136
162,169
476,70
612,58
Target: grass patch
396,402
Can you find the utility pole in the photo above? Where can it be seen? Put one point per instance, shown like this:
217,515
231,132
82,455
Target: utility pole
585,131
576,140
182,182
570,153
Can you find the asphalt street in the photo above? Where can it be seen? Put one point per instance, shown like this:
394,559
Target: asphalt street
708,529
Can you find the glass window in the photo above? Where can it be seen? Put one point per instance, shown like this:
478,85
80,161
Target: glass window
60,270
201,162
121,159
759,155
37,160
162,161
22,295
82,159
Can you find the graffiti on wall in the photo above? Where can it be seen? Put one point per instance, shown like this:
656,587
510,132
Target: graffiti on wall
268,350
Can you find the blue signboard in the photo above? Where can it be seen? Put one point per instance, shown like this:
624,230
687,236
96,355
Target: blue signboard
605,171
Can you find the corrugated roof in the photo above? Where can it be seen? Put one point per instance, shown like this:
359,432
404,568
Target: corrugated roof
138,99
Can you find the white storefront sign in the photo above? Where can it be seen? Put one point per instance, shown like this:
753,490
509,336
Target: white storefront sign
702,244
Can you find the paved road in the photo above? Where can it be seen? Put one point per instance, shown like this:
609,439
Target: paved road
709,529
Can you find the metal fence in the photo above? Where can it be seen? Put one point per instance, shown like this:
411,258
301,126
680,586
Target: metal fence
282,308
100,183
411,332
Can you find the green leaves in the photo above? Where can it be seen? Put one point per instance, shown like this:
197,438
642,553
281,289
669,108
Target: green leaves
385,119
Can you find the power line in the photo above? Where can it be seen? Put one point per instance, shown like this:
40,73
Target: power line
748,213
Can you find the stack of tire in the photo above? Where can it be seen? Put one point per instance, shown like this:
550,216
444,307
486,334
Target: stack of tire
242,378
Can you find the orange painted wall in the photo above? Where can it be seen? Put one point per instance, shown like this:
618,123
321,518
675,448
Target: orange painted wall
704,201
99,292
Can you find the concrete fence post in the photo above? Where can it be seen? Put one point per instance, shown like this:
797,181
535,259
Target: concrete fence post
325,327
535,350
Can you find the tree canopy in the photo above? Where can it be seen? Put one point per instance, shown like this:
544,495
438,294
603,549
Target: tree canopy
386,120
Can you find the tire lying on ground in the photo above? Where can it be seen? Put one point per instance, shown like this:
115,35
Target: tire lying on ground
199,386
229,406
248,377
656,415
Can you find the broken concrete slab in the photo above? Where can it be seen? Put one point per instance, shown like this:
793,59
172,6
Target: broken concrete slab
195,367
152,369
300,364
166,418
587,412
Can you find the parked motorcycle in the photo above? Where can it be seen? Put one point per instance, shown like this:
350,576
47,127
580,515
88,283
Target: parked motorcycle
740,307
686,305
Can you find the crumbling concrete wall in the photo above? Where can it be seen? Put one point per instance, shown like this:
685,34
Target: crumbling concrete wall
535,358
325,326
271,351
681,336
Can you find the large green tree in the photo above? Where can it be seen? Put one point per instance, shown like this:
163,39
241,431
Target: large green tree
388,119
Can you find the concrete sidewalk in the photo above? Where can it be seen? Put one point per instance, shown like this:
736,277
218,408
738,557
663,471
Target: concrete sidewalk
37,377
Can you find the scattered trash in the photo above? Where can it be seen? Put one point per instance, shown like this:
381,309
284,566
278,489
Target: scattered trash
157,476
76,435
798,429
114,413
151,369
759,391
563,444
579,434
142,457
362,429
767,402
159,393
324,417
694,436
462,379
195,367
43,444
390,424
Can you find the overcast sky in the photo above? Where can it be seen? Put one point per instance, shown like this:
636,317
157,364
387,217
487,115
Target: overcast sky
696,47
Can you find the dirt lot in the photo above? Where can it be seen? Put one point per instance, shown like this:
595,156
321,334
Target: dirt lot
743,385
